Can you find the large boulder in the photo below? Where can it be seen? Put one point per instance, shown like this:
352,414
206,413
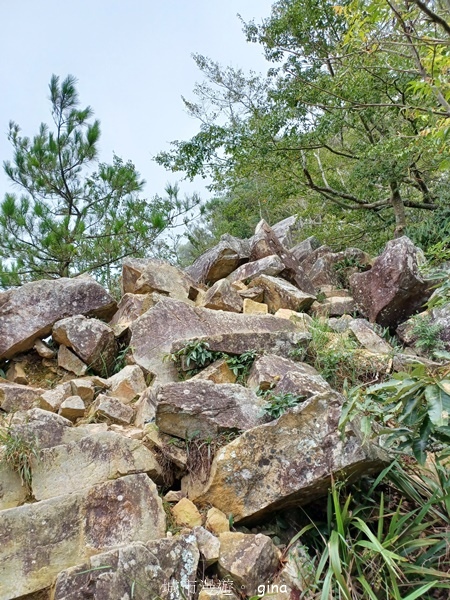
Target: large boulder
287,462
279,293
202,408
92,341
130,307
39,540
79,465
269,265
29,312
393,289
164,569
155,332
221,296
221,260
14,396
147,275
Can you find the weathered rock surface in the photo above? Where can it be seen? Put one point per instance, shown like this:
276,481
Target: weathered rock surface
130,307
128,383
436,317
265,243
14,396
29,312
393,289
221,260
154,333
186,513
305,248
217,521
147,275
12,492
248,560
269,265
45,429
43,350
92,340
254,308
367,337
16,374
221,296
112,409
72,408
79,465
203,408
279,293
282,376
335,306
295,457
208,545
70,361
218,372
40,540
164,569
52,399
284,230
326,268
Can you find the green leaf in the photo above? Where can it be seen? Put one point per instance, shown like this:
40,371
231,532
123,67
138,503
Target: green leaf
438,405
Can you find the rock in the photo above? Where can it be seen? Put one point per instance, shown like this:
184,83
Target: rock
16,374
295,457
265,243
95,458
145,407
254,293
130,307
438,318
14,396
127,384
163,445
12,492
305,248
164,569
173,496
186,513
284,230
70,361
155,332
282,376
335,306
92,341
302,320
135,433
216,521
43,350
221,296
393,289
367,337
85,388
112,409
208,545
217,372
72,408
268,265
203,408
29,312
278,293
221,260
45,429
255,308
41,539
52,399
248,560
335,268
148,275
296,576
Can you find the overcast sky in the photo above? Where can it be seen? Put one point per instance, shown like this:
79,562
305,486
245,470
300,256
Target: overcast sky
132,59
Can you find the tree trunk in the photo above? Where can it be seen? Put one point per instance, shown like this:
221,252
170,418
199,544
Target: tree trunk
399,210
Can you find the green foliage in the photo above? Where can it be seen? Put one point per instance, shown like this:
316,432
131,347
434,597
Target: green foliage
426,334
335,356
241,364
17,452
278,404
410,411
375,545
69,218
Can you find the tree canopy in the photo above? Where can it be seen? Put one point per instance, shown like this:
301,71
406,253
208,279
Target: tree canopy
351,123
71,218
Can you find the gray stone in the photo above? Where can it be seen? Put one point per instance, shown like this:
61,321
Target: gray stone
279,293
70,362
112,409
305,248
14,396
202,408
29,312
221,260
269,265
128,383
221,296
72,408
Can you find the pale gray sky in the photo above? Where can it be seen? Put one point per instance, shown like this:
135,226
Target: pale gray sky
132,59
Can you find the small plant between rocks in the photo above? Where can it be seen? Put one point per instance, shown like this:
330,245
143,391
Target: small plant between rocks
17,451
278,404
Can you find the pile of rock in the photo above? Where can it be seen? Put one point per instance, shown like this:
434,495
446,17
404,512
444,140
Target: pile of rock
89,516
